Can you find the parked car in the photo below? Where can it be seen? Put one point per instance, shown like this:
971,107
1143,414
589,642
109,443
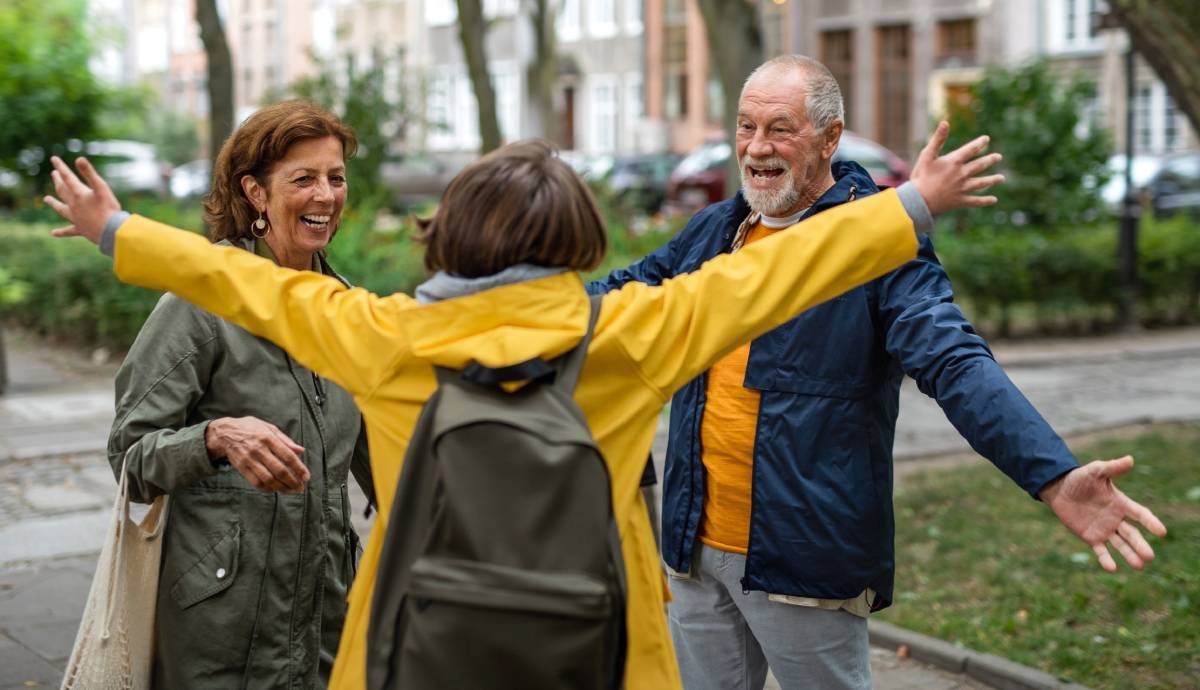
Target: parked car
129,166
637,180
191,179
1145,167
416,179
699,179
1175,187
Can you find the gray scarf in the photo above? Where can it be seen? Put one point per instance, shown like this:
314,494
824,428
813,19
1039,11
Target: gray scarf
446,286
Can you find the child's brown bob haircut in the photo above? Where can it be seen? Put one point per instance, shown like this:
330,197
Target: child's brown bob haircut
518,204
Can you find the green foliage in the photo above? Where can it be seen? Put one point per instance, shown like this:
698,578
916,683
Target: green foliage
1066,280
12,291
48,95
370,103
979,564
138,114
1053,167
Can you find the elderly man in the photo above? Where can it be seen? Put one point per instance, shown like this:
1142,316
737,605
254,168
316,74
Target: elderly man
777,513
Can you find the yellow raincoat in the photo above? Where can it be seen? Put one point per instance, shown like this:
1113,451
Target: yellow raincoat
648,342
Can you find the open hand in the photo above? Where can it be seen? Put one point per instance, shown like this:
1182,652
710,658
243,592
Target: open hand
1088,502
86,207
259,451
953,180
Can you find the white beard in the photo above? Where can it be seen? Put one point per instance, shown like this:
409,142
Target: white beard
779,199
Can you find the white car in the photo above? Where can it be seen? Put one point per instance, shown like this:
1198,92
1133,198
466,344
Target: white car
129,166
192,179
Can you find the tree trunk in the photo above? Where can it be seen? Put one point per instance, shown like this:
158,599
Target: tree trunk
544,69
1167,34
220,75
734,32
471,30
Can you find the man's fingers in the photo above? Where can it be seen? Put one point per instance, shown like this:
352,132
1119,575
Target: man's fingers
1126,551
970,149
1105,558
977,166
93,178
281,475
935,143
978,184
1134,538
978,201
65,231
68,178
59,207
1116,468
1146,518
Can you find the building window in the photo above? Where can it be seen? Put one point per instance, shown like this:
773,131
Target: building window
837,52
441,12
568,21
773,26
956,43
602,18
1171,130
1072,25
1143,122
437,111
633,109
507,82
675,99
633,17
893,72
602,115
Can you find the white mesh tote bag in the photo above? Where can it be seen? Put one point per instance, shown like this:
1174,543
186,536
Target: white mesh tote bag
114,649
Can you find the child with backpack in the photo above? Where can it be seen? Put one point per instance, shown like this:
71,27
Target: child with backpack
510,415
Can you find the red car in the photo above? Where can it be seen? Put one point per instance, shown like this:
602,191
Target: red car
699,179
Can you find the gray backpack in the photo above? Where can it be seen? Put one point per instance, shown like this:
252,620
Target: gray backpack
502,565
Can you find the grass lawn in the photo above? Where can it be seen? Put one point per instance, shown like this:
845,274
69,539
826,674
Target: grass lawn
982,565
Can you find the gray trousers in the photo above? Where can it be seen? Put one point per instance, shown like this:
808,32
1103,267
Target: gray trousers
726,639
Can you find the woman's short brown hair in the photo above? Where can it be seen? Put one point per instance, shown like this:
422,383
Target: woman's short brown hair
518,204
256,145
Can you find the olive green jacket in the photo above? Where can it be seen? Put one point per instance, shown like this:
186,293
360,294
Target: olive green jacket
252,592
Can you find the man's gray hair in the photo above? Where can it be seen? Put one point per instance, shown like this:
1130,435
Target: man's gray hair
823,104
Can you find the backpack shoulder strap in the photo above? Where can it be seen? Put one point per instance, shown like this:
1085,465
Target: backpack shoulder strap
572,362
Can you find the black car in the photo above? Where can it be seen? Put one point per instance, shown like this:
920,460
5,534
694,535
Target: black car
1175,188
638,180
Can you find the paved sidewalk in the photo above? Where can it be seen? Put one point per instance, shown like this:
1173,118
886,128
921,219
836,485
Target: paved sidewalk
56,487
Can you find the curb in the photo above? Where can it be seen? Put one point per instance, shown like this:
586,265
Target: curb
995,671
1149,351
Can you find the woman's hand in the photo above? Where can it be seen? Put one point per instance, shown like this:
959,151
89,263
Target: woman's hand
259,451
953,180
86,207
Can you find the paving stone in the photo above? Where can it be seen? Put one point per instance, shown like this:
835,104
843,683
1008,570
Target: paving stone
21,669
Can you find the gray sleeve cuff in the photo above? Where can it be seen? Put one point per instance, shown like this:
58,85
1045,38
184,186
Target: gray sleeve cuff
108,237
915,206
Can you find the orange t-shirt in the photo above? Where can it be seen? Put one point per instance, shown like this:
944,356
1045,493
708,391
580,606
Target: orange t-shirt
727,433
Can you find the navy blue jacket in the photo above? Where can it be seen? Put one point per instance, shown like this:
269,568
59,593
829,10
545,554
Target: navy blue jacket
821,522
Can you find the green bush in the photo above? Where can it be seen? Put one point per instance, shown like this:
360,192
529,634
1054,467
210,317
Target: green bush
1066,280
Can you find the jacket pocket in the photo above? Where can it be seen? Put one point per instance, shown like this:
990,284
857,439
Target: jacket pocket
481,625
212,573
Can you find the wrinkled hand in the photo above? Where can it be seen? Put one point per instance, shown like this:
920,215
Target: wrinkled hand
951,181
263,454
85,206
1090,505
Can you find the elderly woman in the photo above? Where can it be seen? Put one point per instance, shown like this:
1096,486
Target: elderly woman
507,240
252,446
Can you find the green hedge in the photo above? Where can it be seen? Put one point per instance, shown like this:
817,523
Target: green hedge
1066,280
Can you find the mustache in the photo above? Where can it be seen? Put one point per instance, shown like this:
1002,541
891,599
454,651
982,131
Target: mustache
772,162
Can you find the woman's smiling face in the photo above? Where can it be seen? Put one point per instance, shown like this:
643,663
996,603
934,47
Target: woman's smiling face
304,196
